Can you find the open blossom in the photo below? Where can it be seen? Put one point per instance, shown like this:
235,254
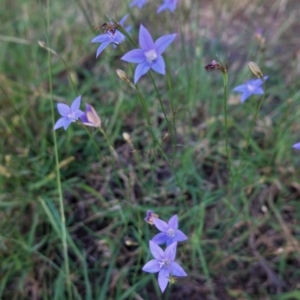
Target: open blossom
150,54
69,114
251,87
168,4
138,3
107,38
90,117
169,231
164,264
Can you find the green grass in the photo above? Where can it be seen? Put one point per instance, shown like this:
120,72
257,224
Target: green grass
243,231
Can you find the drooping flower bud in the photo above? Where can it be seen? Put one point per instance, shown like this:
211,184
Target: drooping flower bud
255,69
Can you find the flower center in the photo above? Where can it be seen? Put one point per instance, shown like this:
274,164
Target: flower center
250,87
151,55
164,263
171,232
71,116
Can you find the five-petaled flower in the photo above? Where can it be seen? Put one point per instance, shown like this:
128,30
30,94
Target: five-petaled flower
164,263
150,54
90,117
168,4
107,38
169,231
251,87
138,3
69,114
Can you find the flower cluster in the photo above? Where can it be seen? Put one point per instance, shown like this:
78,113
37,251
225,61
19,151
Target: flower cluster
163,261
70,114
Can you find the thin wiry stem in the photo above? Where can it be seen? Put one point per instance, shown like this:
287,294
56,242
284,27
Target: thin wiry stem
58,180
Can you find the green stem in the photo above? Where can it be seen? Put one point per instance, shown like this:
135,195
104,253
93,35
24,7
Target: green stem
58,180
111,148
165,115
225,82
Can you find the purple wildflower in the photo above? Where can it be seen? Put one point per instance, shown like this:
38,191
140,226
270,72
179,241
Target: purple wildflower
107,38
90,117
69,114
168,4
169,233
150,216
251,87
138,3
163,263
150,54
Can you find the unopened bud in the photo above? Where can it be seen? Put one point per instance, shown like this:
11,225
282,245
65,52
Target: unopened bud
42,44
255,69
126,137
122,75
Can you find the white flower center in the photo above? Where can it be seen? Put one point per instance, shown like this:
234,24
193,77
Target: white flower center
164,263
171,232
151,55
250,87
71,116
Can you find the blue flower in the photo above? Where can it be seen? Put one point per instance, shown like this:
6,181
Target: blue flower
150,54
168,4
69,114
169,233
164,263
138,3
107,38
251,87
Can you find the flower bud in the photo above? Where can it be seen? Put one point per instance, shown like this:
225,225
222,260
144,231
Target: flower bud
122,75
255,69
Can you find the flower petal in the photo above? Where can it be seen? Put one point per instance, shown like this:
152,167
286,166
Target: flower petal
163,279
173,222
241,88
245,96
163,42
100,38
60,123
258,91
140,70
123,20
170,251
162,8
101,48
151,266
159,65
145,39
67,123
161,225
63,109
177,270
76,103
156,251
134,56
160,238
296,146
180,236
